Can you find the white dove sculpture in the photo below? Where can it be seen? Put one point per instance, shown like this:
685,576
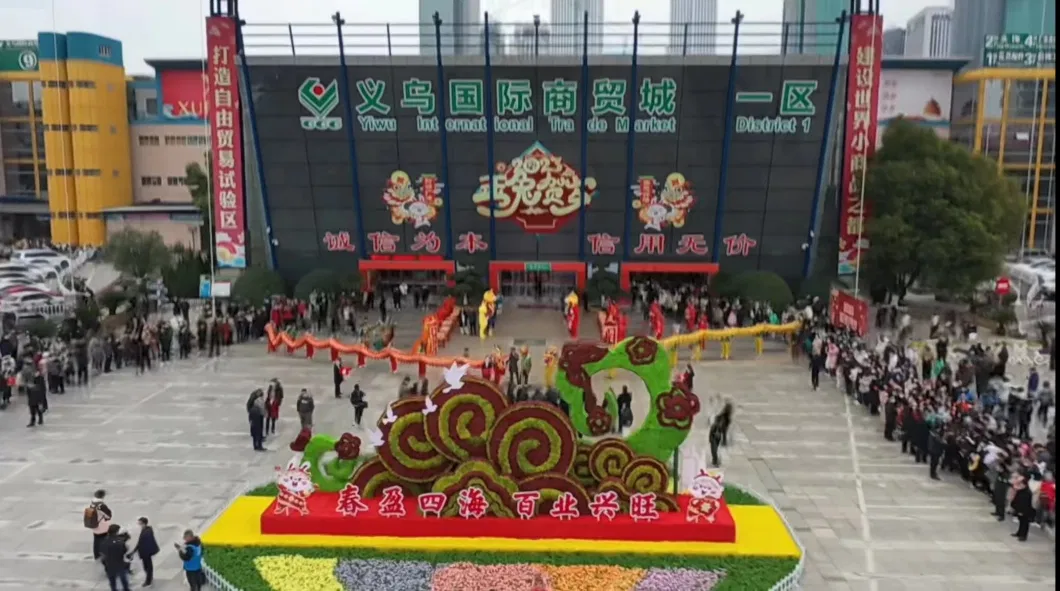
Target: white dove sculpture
375,437
454,377
429,406
390,417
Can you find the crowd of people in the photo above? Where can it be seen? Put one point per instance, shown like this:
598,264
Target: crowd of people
116,548
954,410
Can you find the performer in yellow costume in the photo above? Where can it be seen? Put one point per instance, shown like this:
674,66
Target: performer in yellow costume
486,312
551,359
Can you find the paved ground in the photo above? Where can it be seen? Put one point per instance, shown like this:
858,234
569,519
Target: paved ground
173,446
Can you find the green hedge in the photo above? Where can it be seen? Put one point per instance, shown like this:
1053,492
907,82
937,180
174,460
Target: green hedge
236,565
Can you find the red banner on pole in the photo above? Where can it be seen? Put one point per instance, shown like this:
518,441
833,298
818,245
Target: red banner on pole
226,143
863,97
849,311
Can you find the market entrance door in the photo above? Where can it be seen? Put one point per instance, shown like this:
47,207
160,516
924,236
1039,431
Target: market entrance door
537,289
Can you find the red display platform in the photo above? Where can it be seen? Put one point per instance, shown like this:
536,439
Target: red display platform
324,520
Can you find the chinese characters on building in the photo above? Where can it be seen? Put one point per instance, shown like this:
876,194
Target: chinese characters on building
794,114
863,82
517,104
1019,50
226,145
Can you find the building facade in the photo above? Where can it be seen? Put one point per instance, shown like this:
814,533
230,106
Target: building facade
460,30
974,20
894,42
567,18
810,26
84,149
693,27
927,34
1009,115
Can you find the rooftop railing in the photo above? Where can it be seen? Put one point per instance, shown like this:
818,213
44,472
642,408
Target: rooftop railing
540,38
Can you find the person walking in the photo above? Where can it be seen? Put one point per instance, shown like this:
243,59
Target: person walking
337,377
305,406
37,398
272,411
359,404
256,416
190,553
97,518
1046,398
114,552
146,547
1023,507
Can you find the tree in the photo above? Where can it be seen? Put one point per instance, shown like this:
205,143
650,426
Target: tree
181,278
603,284
256,285
763,286
42,328
468,283
326,281
940,214
137,254
198,182
112,300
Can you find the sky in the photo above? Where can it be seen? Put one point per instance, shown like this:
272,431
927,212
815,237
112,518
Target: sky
174,28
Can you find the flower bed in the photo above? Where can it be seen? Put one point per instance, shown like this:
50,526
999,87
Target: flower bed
299,569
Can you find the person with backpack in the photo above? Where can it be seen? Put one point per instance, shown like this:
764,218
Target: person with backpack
146,548
97,518
191,554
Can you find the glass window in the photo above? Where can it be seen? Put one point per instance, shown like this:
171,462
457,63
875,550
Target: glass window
151,107
14,99
15,140
1050,102
18,179
1025,99
38,98
964,97
1021,142
1047,190
1042,229
963,134
993,99
991,139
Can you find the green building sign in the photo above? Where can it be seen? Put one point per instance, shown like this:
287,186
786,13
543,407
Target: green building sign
1019,50
19,56
514,105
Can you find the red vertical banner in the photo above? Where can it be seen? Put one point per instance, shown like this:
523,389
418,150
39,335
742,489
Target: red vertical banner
226,143
863,96
849,311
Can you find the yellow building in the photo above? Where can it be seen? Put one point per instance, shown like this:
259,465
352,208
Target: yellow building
70,100
1009,114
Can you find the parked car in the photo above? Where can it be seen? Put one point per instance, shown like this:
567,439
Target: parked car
29,299
60,265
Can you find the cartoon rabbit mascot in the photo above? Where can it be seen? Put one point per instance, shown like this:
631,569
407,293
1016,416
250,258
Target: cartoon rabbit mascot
707,490
295,486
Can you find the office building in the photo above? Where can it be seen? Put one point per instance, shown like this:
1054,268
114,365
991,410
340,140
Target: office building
1009,115
973,20
693,27
461,26
894,42
87,151
567,22
528,39
927,34
810,26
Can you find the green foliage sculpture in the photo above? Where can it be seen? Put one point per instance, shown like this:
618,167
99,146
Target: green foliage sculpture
472,436
671,409
940,215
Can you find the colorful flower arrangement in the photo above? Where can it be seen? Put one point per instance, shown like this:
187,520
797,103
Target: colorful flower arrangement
300,569
286,572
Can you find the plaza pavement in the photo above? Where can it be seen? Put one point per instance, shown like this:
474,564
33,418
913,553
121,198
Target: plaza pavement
173,446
